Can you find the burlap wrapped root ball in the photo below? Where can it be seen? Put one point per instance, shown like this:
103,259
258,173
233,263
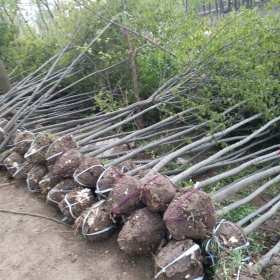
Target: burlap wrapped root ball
106,181
227,236
157,193
95,222
88,172
47,183
188,264
58,146
67,163
23,141
125,195
142,233
37,150
13,162
34,176
191,214
57,193
75,202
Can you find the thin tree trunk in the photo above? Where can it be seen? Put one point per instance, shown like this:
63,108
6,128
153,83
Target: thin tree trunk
5,84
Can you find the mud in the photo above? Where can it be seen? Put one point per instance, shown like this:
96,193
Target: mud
57,193
67,163
75,202
35,176
95,222
23,141
88,172
158,193
142,233
188,267
60,145
125,196
191,214
36,152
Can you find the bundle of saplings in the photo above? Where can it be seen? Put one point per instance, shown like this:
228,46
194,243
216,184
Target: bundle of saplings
13,162
126,166
227,236
34,176
191,214
47,183
75,202
125,195
3,122
95,222
158,192
231,267
88,172
57,193
23,170
23,141
179,260
37,150
142,233
106,181
67,163
60,145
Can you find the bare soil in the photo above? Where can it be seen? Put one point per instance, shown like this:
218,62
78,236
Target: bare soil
35,248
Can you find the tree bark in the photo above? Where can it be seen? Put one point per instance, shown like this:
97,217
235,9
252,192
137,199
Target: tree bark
5,84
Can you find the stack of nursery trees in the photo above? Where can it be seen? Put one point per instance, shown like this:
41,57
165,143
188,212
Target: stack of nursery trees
101,124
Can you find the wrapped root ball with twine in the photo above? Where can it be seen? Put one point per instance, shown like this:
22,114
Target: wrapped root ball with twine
34,176
47,183
191,214
23,141
125,196
179,260
95,222
142,233
158,192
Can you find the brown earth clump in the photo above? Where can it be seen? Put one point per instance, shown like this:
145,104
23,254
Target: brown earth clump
13,162
23,141
60,145
35,176
273,270
75,202
36,152
5,154
189,263
142,233
95,222
67,163
191,214
141,174
88,172
23,170
126,166
106,181
47,183
57,193
125,195
158,192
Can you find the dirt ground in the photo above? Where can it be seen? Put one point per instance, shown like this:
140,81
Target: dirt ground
37,248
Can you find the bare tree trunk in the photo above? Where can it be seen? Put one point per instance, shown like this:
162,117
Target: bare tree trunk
5,84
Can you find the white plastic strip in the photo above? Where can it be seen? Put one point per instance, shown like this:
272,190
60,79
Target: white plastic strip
28,184
187,253
98,191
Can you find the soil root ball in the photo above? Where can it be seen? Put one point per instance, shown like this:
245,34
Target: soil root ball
114,150
13,162
141,174
125,196
158,192
57,193
47,183
227,236
88,172
23,170
67,163
126,166
12,140
36,152
179,260
191,214
274,267
75,202
4,155
34,176
106,181
61,144
95,222
142,233
23,141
